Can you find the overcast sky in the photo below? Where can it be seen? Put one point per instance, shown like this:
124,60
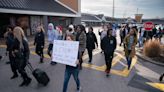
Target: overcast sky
124,8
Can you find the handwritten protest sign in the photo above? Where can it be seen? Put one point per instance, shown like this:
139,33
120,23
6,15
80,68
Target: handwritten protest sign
65,52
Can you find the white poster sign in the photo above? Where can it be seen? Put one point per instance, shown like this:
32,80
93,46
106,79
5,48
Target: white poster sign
65,52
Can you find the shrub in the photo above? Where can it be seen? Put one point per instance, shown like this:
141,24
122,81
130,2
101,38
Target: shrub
152,48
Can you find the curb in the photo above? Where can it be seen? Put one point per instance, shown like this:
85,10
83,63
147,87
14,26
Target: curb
148,59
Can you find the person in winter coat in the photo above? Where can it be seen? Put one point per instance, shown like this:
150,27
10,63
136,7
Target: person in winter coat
109,43
81,37
102,35
39,42
21,52
70,70
9,42
52,35
130,42
91,40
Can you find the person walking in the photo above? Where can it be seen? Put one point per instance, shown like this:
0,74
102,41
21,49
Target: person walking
91,40
52,35
102,34
9,42
109,43
20,51
39,42
70,70
121,35
81,37
130,42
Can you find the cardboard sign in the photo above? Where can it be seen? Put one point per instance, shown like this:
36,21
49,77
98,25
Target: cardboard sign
65,52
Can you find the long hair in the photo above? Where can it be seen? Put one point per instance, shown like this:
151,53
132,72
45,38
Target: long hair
19,35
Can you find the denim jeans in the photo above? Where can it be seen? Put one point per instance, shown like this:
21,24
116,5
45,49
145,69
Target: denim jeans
68,72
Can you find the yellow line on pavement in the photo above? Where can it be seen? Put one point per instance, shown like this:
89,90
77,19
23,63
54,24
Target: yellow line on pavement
159,86
114,62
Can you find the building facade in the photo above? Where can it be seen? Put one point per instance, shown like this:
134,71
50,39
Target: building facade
31,13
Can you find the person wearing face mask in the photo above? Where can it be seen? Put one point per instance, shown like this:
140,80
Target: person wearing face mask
91,40
52,35
39,42
109,43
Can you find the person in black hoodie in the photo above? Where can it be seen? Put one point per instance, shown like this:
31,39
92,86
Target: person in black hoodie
21,52
9,42
39,42
109,43
91,40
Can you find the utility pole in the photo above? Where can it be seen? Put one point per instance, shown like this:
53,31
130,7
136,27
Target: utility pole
113,11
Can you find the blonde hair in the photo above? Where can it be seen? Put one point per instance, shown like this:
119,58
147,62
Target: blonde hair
41,28
19,35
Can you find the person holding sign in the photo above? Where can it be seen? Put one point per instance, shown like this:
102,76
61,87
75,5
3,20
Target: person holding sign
109,43
71,70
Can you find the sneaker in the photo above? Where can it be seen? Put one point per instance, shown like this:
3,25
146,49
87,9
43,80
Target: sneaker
53,63
79,89
14,76
22,84
41,60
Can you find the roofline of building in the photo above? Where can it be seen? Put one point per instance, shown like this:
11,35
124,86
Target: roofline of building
90,21
59,2
29,12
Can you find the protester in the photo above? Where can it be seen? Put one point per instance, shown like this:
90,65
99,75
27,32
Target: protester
109,43
102,34
9,42
70,70
39,42
81,37
141,37
130,42
91,40
21,53
52,35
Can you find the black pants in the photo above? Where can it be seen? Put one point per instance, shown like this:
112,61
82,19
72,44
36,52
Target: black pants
81,59
50,49
21,62
90,54
39,50
108,60
129,59
13,65
122,39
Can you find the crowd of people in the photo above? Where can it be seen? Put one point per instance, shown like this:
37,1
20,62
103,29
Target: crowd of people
18,48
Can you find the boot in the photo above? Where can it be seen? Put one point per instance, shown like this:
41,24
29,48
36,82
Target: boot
41,60
14,76
23,83
28,81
